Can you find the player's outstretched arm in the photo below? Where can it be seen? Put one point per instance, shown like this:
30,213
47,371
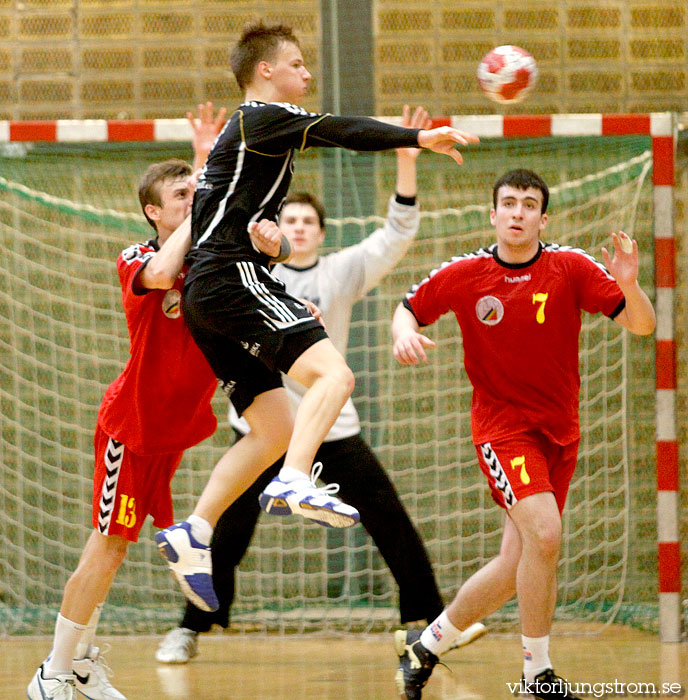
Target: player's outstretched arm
409,344
368,134
638,316
205,130
443,139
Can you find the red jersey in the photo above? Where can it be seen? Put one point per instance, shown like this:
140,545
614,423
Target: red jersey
161,401
520,325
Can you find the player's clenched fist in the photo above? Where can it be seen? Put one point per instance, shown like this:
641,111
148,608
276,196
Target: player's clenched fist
266,237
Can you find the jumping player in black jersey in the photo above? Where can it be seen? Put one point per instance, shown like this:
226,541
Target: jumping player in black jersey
241,317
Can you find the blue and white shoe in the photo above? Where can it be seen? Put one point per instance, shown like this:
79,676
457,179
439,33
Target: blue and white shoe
304,497
190,563
60,688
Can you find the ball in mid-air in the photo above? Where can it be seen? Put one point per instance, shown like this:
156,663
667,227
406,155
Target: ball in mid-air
507,74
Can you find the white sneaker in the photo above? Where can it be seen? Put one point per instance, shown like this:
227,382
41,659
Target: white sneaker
178,646
60,688
191,564
93,677
304,497
470,634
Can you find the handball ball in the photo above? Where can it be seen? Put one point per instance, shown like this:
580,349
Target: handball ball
507,74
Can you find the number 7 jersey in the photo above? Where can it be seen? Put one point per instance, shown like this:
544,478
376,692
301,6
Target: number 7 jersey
520,325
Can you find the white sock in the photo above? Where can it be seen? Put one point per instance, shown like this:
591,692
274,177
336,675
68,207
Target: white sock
287,474
439,635
201,529
89,634
67,634
535,656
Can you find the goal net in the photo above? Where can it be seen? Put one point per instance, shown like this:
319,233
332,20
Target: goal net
66,210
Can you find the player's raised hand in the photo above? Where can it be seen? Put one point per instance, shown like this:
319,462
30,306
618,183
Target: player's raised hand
266,237
418,120
623,267
206,127
410,345
443,139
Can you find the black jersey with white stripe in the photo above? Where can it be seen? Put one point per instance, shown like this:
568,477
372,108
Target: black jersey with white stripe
249,169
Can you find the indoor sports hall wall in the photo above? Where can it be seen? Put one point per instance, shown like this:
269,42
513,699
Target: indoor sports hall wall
154,58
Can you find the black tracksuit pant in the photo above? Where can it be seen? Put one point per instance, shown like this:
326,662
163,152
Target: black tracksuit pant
364,485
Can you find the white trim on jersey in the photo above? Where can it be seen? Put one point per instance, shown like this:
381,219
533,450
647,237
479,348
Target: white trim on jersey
268,196
137,252
295,109
481,253
557,248
223,204
489,253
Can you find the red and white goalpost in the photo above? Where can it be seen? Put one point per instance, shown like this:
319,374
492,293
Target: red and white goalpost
662,129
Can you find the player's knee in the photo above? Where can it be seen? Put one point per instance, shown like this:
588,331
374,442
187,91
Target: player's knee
344,378
279,437
102,558
547,539
114,553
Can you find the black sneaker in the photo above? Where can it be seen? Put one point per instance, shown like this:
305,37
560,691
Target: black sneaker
415,664
548,686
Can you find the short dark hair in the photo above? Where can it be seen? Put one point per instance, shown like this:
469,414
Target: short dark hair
258,42
306,198
152,179
522,179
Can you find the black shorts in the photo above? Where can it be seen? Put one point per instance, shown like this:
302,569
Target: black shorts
248,327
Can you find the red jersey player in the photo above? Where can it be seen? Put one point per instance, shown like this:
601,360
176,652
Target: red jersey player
518,303
157,407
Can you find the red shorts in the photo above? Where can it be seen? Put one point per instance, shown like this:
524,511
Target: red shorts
128,487
521,465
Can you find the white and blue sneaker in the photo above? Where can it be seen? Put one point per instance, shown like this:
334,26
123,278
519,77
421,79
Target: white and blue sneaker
93,677
60,688
190,563
304,497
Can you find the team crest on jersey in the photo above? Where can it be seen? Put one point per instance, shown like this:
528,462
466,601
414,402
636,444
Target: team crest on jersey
171,306
489,310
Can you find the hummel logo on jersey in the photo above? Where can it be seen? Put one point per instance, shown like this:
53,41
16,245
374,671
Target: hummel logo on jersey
522,278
